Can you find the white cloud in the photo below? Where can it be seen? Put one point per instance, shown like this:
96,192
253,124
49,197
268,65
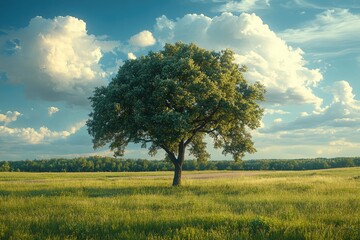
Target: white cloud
278,120
76,127
9,116
270,111
33,136
269,59
52,110
305,4
343,93
334,31
342,142
322,5
55,59
243,5
142,39
131,56
343,112
328,132
324,141
304,114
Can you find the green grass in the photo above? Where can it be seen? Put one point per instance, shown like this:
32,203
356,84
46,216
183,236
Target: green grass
322,204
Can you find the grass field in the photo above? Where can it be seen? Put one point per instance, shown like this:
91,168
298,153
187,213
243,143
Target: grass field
321,204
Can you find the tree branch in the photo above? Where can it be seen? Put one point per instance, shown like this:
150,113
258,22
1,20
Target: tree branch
199,128
171,154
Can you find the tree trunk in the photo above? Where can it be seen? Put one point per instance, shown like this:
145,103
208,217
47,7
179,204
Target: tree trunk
178,164
177,175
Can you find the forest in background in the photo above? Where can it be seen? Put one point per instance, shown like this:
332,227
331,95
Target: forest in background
109,164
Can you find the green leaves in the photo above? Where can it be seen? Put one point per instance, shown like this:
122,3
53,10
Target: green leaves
177,97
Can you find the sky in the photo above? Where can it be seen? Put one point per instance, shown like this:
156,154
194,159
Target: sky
54,53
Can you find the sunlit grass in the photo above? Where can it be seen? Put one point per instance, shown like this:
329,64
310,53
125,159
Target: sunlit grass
263,205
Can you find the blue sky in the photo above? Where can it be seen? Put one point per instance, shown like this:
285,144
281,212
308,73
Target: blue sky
54,53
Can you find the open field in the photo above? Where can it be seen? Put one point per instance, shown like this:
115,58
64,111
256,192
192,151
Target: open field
322,204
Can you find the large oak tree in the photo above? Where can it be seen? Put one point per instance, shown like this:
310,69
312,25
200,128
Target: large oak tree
172,99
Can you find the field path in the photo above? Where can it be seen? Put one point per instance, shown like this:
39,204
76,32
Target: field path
219,175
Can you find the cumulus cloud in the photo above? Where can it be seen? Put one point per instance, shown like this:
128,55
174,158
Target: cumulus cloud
281,68
243,5
131,56
9,116
319,140
328,132
142,39
52,110
343,112
33,136
334,31
343,93
55,59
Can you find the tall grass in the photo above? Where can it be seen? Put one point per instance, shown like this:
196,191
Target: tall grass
264,205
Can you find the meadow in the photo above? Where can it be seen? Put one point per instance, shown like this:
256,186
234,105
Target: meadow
317,204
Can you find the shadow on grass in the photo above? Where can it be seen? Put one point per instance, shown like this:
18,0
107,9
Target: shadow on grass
94,192
161,190
167,229
196,228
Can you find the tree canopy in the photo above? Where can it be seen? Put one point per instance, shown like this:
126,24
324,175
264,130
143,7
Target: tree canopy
172,99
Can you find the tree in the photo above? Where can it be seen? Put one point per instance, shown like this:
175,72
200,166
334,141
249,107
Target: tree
5,167
172,99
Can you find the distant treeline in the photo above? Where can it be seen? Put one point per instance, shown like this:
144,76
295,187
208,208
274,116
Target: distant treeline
108,164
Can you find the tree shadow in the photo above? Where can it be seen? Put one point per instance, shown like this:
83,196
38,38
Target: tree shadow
98,192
